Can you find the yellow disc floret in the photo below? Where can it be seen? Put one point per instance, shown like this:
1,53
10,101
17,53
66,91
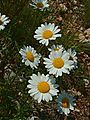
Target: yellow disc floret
58,63
47,34
30,56
65,103
43,87
56,49
39,5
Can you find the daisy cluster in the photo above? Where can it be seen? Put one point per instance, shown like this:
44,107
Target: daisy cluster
43,87
59,61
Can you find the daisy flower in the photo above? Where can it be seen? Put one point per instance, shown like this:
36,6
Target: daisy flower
65,103
47,32
55,48
72,54
58,63
41,87
30,57
40,4
3,21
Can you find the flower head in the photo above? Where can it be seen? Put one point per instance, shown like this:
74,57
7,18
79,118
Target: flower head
40,4
55,48
46,33
58,63
30,57
3,21
41,87
65,102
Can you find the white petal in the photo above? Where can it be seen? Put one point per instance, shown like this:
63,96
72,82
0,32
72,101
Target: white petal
71,107
40,98
53,92
66,111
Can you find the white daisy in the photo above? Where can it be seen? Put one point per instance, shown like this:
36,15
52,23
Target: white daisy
3,21
58,63
55,48
65,102
41,87
30,57
47,32
72,54
40,4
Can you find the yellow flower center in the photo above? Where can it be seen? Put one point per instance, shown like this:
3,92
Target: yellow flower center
56,49
47,34
1,22
39,5
65,103
43,87
30,56
58,63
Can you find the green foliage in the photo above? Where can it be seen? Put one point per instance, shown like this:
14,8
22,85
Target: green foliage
87,13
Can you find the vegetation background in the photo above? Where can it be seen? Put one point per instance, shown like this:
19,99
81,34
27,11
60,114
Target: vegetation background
15,102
